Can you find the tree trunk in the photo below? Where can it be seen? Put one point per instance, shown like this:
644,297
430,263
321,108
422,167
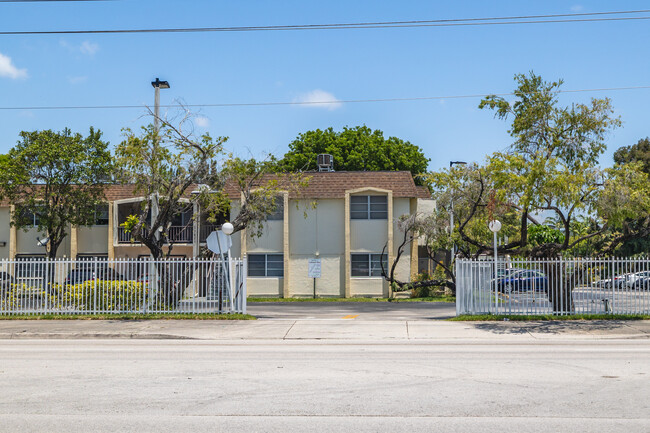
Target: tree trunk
559,286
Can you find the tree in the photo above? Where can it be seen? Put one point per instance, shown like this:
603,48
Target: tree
639,152
550,168
173,169
354,149
57,176
634,235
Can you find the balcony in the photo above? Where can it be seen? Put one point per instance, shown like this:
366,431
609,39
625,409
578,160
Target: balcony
177,234
206,229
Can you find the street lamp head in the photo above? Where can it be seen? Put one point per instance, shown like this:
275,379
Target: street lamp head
160,84
495,225
451,163
227,228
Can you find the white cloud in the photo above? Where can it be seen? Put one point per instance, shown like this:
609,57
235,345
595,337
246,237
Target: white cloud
319,99
8,69
202,122
577,8
77,80
88,48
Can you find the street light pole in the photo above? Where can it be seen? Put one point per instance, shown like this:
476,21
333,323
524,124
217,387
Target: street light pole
495,226
157,85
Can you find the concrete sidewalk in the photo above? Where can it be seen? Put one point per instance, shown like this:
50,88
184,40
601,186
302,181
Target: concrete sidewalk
326,330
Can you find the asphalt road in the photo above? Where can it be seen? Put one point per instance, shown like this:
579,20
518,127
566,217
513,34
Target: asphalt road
297,386
360,310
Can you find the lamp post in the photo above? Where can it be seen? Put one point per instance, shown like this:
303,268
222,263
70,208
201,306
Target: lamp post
495,226
451,217
157,85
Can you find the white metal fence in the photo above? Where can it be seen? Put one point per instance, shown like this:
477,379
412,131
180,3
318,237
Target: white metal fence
562,286
99,286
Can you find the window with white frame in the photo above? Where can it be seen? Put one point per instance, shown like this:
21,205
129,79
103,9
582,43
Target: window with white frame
266,265
368,207
368,265
278,213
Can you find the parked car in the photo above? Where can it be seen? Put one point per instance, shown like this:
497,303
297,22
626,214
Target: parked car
523,280
637,277
642,282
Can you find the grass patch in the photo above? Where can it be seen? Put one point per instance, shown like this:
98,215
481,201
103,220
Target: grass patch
174,316
547,317
442,298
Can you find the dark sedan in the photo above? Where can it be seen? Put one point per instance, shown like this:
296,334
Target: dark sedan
522,281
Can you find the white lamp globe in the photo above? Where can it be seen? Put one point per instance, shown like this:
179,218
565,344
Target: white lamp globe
227,228
495,225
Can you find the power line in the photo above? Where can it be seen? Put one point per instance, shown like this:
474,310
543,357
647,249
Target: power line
280,103
524,19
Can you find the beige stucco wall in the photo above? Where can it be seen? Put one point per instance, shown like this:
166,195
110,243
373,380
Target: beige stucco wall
264,286
26,243
317,232
330,284
318,229
5,232
270,241
368,286
368,236
92,240
401,206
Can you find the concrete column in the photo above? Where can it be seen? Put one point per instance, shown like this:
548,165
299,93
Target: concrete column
112,232
347,259
74,243
286,293
13,239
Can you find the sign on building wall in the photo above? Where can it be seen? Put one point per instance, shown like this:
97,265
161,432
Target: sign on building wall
314,268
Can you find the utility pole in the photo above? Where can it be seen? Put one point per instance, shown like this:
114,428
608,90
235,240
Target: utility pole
157,85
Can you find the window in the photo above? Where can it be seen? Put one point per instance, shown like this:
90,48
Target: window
32,218
368,265
101,214
266,265
369,207
278,213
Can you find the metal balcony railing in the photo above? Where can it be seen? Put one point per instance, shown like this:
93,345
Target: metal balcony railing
177,234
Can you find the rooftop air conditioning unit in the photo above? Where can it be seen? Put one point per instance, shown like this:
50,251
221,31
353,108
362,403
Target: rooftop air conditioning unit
325,162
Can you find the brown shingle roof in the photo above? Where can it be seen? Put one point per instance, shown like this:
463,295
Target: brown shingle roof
320,185
334,184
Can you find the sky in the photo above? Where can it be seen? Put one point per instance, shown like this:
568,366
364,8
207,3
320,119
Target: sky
316,65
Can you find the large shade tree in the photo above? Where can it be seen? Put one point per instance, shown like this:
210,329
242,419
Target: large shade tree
550,172
173,169
354,149
54,180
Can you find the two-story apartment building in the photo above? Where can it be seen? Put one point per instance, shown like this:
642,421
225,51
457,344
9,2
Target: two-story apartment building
344,219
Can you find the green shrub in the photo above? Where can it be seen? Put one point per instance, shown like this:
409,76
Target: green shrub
103,295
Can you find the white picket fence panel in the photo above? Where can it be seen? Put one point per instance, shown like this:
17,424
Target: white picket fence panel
100,286
561,286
